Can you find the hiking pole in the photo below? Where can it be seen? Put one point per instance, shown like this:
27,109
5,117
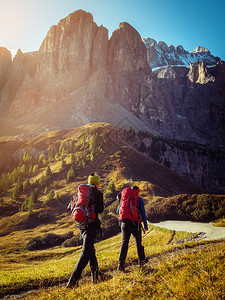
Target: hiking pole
142,228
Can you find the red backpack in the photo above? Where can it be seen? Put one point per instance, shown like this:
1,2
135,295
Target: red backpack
128,204
82,206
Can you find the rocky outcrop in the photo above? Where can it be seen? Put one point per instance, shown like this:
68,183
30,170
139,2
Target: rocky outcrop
193,161
23,66
5,63
160,54
70,54
194,103
128,67
76,46
199,73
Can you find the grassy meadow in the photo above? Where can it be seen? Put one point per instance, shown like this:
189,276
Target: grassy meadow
174,271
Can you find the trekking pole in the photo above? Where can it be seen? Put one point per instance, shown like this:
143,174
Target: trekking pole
142,228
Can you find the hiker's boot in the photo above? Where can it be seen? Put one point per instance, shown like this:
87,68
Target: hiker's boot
143,261
94,274
121,267
72,283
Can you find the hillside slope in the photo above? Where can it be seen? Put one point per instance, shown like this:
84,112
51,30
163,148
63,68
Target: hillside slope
38,237
48,168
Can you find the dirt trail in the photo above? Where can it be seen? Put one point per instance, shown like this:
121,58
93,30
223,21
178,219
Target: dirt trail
151,266
210,232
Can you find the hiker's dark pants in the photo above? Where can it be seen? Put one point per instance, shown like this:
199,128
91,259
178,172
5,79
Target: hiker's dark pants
127,229
87,254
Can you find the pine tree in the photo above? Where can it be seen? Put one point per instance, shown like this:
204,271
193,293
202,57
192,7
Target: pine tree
72,158
35,168
94,142
48,172
61,148
30,203
26,185
16,191
71,173
22,171
41,160
30,169
24,205
50,196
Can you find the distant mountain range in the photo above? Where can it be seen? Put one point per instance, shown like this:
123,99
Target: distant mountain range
160,54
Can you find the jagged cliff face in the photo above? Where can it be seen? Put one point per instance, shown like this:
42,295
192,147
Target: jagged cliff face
79,76
13,77
78,66
70,53
194,161
194,103
128,68
76,46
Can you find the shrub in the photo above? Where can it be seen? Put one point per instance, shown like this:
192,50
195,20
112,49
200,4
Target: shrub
203,208
47,241
73,242
71,173
50,196
44,217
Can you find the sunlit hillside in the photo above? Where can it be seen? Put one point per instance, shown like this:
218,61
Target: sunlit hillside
39,241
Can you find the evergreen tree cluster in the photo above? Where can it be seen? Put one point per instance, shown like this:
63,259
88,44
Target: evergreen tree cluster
74,155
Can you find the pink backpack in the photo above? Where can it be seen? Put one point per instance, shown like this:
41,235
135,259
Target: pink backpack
82,207
128,205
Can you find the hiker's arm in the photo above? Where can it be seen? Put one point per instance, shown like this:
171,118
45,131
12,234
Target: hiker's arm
142,211
99,206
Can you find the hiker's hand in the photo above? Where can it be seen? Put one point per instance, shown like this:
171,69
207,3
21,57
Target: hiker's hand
146,229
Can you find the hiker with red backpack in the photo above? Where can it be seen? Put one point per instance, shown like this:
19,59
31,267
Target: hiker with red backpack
132,213
85,207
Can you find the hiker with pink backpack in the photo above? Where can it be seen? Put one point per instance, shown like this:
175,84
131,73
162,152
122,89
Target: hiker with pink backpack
85,207
132,213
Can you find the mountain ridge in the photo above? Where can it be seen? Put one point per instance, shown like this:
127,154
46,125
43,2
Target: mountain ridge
160,54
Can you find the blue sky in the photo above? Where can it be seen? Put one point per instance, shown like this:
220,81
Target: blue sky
25,23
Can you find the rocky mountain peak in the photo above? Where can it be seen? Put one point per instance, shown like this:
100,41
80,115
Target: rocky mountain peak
200,49
5,63
126,49
71,45
180,49
4,52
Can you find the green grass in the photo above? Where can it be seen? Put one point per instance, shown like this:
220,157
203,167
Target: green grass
172,270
